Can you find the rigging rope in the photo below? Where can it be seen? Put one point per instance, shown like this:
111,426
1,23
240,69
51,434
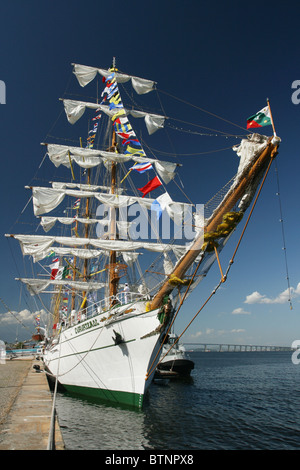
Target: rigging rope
283,237
51,436
8,309
188,131
188,154
224,134
203,110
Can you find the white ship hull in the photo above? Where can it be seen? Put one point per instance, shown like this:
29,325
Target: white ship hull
87,360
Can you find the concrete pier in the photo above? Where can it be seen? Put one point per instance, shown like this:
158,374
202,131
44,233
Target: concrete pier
26,407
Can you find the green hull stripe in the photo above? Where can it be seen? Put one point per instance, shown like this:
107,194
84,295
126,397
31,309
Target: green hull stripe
89,351
134,400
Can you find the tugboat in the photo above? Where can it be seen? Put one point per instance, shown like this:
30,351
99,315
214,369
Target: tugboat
175,360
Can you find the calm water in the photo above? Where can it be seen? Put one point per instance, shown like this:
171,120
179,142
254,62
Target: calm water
234,401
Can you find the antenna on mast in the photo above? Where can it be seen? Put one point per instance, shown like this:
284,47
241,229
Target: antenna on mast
113,63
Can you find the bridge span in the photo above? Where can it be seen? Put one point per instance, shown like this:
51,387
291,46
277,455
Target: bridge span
223,347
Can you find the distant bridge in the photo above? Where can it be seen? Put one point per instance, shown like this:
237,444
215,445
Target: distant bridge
222,347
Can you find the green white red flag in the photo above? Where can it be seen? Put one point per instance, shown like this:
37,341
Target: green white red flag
260,119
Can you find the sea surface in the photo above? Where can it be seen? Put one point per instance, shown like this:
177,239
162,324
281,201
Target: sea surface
233,401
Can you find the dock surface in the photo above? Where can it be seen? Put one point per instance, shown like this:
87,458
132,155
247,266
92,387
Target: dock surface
25,407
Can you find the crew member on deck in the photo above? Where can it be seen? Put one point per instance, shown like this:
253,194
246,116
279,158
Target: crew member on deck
126,293
73,313
168,307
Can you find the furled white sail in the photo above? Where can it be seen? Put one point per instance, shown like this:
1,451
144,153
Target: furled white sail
88,158
85,74
166,170
35,286
248,149
81,187
75,109
153,122
48,222
65,155
47,199
83,253
40,246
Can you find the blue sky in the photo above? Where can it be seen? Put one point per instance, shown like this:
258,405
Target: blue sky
224,57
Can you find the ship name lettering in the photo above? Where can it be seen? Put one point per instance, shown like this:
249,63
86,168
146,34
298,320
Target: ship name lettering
86,326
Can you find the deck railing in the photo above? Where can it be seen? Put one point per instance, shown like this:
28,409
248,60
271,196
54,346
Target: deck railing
109,303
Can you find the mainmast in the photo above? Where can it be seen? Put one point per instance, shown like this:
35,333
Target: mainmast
112,268
113,275
228,203
113,280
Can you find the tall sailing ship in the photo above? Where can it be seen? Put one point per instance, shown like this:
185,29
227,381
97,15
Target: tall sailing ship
110,316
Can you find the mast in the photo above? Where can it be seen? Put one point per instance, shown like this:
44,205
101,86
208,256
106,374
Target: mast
74,274
113,278
75,258
113,268
113,275
86,235
56,304
228,203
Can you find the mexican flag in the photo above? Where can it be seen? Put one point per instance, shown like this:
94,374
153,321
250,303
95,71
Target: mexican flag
260,119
